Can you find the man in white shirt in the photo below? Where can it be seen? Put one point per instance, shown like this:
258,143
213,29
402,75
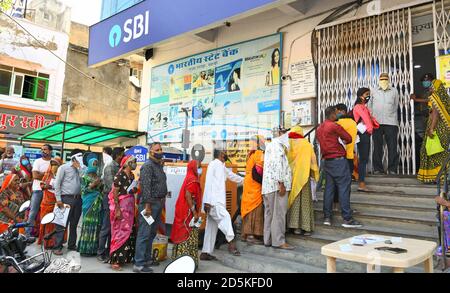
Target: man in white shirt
8,163
384,107
40,166
277,182
214,203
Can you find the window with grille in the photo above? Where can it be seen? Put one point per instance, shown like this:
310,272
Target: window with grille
24,84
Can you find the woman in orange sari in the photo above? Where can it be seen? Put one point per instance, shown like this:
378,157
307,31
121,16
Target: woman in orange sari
48,201
252,211
10,201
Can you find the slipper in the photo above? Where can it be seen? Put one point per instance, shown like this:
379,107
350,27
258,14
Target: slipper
285,246
255,242
116,267
234,252
207,257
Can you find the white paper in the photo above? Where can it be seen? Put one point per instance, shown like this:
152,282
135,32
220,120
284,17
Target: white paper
345,247
61,215
396,239
132,185
358,139
342,142
361,128
149,220
359,240
196,224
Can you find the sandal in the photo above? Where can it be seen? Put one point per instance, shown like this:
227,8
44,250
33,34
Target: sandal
207,257
116,267
234,251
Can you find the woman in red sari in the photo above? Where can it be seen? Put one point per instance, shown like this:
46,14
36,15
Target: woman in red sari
11,198
24,172
48,201
188,206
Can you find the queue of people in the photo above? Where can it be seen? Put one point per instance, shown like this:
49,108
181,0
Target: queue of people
277,187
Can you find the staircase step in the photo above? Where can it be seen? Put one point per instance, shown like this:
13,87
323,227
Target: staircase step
398,189
390,201
368,228
426,215
255,263
384,179
387,216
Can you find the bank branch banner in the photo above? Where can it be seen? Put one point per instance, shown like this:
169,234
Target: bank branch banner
230,93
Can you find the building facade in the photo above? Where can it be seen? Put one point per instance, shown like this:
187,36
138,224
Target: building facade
31,76
111,7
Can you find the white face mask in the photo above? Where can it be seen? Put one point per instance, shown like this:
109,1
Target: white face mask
384,84
199,171
79,158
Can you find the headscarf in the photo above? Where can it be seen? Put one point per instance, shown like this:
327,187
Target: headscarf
125,161
26,169
7,181
441,101
91,168
49,174
284,140
296,132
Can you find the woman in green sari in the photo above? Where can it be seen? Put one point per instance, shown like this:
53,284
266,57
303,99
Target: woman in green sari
91,189
438,124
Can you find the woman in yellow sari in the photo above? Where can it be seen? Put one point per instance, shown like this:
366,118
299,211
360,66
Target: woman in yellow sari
438,124
303,162
252,211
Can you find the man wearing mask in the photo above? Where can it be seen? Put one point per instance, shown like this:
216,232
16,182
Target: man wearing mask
153,183
214,205
276,184
40,166
384,106
68,192
109,172
8,163
338,179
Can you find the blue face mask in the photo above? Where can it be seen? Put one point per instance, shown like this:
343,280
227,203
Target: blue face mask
92,169
25,162
339,115
426,84
199,171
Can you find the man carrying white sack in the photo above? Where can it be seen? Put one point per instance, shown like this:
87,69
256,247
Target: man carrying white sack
214,205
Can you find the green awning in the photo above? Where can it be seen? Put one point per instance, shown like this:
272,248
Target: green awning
78,133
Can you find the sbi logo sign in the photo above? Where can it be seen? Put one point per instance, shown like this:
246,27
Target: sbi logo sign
132,29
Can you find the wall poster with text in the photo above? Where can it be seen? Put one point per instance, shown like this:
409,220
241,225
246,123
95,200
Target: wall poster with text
231,93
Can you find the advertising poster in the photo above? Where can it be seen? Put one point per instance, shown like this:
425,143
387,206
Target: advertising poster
231,93
444,66
302,113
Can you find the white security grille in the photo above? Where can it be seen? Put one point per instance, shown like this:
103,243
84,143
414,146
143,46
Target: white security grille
442,26
353,54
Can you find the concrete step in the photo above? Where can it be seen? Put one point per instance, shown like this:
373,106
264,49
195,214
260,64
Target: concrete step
390,201
387,217
422,215
255,263
398,189
372,228
410,227
308,256
406,180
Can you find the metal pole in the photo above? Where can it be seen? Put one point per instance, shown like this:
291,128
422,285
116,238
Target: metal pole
186,121
64,128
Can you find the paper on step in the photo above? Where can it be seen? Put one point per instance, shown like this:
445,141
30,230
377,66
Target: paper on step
149,220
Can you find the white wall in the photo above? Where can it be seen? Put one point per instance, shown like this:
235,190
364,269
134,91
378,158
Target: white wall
17,44
297,36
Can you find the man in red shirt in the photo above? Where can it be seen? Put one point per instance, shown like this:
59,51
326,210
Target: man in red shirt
332,139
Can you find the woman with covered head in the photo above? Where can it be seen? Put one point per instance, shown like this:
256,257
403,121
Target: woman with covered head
252,210
303,163
91,193
122,213
11,198
438,125
188,207
48,201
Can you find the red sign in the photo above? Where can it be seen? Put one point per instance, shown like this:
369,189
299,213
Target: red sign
22,122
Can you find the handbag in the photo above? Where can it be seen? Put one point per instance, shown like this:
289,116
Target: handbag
433,145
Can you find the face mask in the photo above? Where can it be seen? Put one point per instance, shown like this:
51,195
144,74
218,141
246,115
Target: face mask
158,156
384,84
199,171
426,84
339,115
262,147
226,158
25,162
368,99
79,158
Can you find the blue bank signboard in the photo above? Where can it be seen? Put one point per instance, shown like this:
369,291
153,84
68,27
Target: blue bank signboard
153,21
